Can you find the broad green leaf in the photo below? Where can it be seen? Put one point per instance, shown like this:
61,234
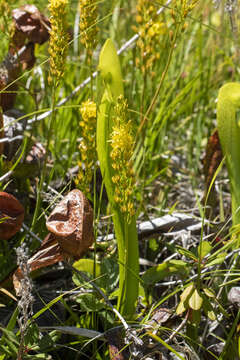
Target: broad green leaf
229,133
195,301
181,308
88,265
187,292
110,70
90,302
208,309
109,278
168,268
204,248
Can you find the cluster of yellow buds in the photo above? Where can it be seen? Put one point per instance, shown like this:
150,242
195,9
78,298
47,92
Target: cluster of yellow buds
58,43
122,142
87,147
6,17
180,11
150,29
88,24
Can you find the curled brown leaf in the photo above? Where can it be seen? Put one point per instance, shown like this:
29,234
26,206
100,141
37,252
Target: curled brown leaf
11,215
72,224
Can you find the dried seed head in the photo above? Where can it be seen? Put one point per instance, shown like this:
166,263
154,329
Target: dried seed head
25,288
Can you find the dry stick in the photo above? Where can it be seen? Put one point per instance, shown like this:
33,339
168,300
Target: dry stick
25,227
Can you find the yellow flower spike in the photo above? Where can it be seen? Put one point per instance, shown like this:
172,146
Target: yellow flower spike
122,143
149,30
88,24
87,146
58,42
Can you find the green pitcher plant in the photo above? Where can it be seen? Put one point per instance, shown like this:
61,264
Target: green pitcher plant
124,225
228,123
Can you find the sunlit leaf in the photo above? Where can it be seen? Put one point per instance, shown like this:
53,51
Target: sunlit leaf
209,292
195,301
218,260
168,268
208,309
187,292
88,265
180,308
204,248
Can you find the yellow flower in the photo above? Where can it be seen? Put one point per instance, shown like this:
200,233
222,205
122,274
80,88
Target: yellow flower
87,147
149,29
122,143
88,24
58,42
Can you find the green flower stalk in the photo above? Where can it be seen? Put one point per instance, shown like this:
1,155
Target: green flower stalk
87,147
58,43
110,125
228,107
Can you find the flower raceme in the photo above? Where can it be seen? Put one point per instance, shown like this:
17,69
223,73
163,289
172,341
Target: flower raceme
88,21
87,147
122,142
149,28
58,43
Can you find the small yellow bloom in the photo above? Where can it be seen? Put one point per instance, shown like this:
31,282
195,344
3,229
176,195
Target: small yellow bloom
58,42
150,29
122,143
88,24
87,147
